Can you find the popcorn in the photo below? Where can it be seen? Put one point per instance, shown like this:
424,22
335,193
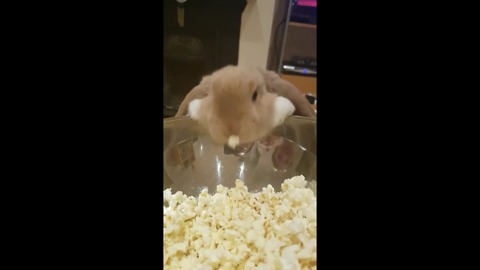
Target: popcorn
237,229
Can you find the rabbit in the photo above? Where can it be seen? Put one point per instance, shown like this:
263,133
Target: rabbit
239,104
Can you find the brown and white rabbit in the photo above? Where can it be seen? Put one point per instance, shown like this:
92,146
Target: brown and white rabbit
240,104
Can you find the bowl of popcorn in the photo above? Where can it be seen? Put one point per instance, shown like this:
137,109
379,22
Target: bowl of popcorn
252,208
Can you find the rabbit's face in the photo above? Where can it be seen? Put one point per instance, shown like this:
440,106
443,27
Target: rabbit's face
238,108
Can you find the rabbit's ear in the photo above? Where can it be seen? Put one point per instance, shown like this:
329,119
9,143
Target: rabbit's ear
198,92
283,88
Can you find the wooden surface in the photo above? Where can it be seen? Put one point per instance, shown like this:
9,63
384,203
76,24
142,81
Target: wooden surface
304,25
303,83
301,41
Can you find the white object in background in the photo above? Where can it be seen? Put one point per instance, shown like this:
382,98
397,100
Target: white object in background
255,33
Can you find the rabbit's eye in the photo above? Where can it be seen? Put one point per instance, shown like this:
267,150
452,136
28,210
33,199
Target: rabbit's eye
254,97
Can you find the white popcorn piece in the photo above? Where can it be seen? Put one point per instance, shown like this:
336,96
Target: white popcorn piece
289,258
237,229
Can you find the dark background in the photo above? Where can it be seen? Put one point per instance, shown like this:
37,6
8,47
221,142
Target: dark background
208,41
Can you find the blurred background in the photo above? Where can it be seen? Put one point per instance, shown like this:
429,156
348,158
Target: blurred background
201,36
